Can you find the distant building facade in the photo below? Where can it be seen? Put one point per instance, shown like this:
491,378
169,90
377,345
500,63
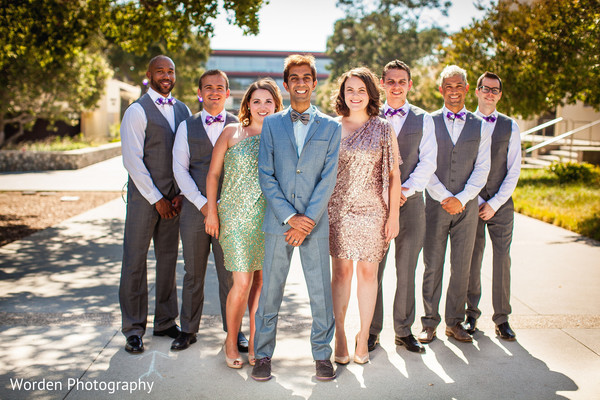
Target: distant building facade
245,66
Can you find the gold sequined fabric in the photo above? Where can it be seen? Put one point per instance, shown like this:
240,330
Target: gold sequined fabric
357,208
242,208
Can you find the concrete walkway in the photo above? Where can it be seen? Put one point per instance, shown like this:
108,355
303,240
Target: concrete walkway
60,320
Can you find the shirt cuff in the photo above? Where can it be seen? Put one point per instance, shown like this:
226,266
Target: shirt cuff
494,203
463,198
285,221
409,192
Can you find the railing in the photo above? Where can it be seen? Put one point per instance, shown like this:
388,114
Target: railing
559,137
542,126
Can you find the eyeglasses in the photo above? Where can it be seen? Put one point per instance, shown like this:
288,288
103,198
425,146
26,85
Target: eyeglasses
485,89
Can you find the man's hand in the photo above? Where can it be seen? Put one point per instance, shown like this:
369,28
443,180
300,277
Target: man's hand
204,210
302,223
165,208
177,202
452,205
294,237
402,196
486,211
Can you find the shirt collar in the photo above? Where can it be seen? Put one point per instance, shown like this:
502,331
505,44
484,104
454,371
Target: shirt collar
445,110
480,114
155,95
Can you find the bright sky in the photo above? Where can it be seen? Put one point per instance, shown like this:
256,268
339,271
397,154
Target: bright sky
307,28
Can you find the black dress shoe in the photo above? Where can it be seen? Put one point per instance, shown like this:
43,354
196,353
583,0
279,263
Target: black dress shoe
470,325
172,332
503,330
410,343
325,371
372,342
183,341
242,343
134,344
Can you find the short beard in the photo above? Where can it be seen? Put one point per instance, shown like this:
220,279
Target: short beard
158,87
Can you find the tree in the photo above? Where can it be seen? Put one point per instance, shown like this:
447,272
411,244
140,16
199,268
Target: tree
547,52
52,52
371,37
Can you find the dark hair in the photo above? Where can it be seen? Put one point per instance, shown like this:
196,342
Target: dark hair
396,64
214,72
266,84
299,59
489,75
370,81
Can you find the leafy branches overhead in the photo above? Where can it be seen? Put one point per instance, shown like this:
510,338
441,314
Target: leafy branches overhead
53,52
546,52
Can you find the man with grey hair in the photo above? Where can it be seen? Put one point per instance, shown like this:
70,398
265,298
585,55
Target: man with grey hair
451,209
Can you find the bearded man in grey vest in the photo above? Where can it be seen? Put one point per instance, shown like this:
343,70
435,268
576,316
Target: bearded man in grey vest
496,209
463,164
192,153
416,141
153,205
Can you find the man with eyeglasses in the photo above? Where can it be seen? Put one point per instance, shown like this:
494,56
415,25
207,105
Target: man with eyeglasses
496,210
463,164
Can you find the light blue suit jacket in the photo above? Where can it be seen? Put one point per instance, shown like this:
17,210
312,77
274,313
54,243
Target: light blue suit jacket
293,184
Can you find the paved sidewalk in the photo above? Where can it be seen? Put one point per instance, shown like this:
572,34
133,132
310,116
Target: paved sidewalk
60,319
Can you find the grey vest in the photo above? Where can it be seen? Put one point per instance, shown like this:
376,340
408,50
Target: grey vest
158,145
455,162
201,150
409,140
499,154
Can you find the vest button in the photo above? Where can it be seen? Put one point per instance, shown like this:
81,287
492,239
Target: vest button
298,171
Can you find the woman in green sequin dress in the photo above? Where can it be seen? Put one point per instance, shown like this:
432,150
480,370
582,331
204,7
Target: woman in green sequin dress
237,220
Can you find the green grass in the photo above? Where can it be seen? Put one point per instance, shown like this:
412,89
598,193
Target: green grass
574,206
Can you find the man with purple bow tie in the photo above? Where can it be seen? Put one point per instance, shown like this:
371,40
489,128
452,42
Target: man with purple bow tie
463,164
153,205
192,153
496,209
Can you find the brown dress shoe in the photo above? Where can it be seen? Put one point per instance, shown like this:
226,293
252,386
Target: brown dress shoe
325,371
458,333
426,335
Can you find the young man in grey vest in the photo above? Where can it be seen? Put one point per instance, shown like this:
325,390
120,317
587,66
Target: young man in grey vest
416,142
463,164
192,154
153,205
496,209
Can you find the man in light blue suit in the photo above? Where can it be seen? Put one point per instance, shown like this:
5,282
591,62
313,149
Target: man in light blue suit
297,167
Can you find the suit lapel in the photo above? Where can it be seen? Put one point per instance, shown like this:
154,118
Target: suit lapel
288,127
313,128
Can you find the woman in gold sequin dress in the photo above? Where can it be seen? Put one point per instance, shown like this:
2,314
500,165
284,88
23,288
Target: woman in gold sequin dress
237,221
361,225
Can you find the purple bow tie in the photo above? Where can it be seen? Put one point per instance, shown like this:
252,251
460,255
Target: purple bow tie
209,119
490,118
161,100
451,116
391,112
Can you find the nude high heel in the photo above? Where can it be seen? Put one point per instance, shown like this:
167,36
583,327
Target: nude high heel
358,359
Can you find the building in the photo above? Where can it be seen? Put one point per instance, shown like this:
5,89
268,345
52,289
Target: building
246,66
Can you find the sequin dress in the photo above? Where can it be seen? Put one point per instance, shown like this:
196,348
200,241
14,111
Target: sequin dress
242,208
357,208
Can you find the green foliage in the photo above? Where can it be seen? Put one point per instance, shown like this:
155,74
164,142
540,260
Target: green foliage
371,36
571,172
55,143
547,52
574,206
53,53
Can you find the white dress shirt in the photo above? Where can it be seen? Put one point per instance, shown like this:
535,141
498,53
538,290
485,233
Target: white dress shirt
478,178
513,164
418,179
133,135
301,130
181,158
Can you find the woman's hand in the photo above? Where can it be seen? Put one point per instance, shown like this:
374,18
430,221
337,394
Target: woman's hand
392,227
211,224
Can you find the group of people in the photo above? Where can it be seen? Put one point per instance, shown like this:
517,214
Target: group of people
252,188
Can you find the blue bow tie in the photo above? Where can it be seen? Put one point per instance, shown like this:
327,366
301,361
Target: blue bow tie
452,116
161,100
